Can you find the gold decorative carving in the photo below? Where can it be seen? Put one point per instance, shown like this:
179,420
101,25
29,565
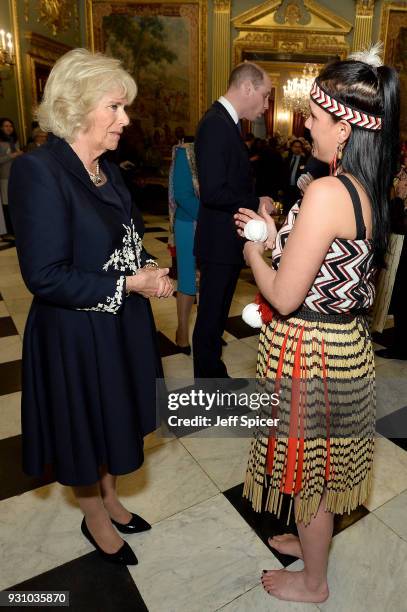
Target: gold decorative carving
58,15
263,17
365,8
292,12
222,6
259,30
290,46
362,35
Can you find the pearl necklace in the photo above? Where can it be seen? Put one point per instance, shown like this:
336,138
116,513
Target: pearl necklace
95,177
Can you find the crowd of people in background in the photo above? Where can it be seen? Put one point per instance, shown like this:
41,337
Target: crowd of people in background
9,150
277,164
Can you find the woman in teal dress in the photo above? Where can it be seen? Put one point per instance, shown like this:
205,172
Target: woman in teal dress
183,206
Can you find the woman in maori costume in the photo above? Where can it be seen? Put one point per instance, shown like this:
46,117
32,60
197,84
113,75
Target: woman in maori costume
315,348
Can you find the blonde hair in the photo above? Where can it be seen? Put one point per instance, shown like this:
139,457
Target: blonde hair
74,87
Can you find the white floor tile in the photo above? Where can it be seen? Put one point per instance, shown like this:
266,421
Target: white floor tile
223,459
10,411
10,348
199,560
257,600
394,514
367,569
169,481
389,473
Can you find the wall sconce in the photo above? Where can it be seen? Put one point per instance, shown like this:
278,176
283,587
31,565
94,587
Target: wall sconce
6,49
283,116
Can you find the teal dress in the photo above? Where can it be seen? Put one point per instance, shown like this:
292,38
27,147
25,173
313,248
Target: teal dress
185,220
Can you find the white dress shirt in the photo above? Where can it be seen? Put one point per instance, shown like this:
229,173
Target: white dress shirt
230,108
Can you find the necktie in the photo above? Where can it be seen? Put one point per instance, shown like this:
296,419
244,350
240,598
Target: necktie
293,168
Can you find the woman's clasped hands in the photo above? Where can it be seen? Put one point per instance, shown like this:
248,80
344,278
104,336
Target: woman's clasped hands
151,282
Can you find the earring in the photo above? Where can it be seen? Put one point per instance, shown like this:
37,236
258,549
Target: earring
337,160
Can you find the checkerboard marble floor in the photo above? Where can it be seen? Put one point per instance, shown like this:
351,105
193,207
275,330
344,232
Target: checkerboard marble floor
207,547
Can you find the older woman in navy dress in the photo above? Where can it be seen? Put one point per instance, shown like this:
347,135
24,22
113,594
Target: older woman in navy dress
90,358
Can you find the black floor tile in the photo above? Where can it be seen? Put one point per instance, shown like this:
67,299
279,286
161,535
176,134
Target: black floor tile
401,442
13,481
7,327
343,521
166,346
238,328
385,338
267,525
7,245
10,377
154,229
94,585
394,427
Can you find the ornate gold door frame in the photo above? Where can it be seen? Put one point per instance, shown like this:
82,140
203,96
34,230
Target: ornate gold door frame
296,28
41,56
282,37
393,33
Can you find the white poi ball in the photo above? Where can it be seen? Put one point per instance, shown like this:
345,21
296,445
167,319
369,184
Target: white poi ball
251,315
256,230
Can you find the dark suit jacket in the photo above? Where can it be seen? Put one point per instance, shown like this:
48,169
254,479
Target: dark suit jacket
226,184
287,171
66,230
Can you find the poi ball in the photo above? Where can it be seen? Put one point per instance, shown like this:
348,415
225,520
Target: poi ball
256,230
251,315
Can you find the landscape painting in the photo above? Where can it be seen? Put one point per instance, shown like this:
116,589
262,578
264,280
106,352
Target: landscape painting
159,45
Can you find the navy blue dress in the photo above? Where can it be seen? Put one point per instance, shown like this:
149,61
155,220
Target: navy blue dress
90,356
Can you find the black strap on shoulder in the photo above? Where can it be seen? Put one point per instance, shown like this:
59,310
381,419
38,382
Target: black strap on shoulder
357,206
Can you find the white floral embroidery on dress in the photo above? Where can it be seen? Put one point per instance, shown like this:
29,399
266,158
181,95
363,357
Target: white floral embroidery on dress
128,258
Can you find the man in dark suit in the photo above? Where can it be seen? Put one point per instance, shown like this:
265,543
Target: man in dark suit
226,184
294,167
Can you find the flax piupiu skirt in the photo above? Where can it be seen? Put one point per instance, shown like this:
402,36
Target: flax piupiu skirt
322,367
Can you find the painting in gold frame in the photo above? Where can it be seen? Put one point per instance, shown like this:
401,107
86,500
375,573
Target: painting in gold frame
393,33
163,45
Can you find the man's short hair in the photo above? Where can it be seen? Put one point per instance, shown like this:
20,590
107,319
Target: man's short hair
246,71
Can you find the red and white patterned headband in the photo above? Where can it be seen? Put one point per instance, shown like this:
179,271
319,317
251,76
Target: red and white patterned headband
352,115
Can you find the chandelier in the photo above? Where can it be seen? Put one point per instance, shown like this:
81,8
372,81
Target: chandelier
296,91
6,49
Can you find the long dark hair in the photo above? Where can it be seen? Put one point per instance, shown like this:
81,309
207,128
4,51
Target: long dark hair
370,156
4,137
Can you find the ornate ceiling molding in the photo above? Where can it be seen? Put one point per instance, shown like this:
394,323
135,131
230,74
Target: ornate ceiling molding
299,15
294,27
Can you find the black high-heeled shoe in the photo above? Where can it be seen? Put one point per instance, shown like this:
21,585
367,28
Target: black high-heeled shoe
136,525
124,556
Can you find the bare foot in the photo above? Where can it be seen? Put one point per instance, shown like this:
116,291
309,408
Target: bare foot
293,586
287,544
104,533
116,510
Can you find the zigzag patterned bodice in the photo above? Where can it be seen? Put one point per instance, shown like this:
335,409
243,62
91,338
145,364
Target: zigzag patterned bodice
345,281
